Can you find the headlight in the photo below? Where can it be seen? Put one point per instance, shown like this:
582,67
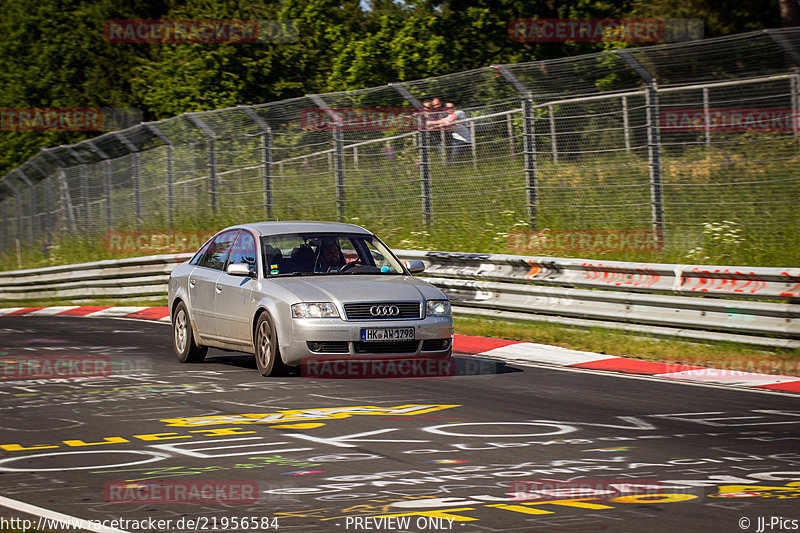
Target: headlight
437,308
315,310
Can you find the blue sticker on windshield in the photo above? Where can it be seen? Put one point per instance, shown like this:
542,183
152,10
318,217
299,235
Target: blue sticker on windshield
385,268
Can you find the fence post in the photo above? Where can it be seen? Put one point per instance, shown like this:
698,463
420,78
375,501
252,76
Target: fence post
17,204
787,45
106,181
425,152
626,131
474,145
170,171
64,197
135,176
553,140
794,98
266,157
790,48
653,140
45,216
338,155
4,220
211,143
706,116
31,201
510,127
63,188
84,187
529,142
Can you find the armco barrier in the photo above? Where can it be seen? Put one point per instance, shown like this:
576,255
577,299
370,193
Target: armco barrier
728,281
693,301
135,277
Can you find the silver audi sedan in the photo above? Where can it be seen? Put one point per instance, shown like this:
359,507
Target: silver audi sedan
290,291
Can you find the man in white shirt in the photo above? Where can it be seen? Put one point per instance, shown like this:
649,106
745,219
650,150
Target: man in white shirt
461,136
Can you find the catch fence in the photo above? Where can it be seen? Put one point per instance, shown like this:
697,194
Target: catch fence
674,139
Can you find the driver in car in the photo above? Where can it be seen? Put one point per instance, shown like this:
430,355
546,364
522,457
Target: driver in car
330,258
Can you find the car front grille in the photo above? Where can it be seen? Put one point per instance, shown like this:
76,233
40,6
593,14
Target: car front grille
386,347
378,310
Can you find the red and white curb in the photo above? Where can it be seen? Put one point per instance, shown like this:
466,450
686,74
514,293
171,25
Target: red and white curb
495,348
556,355
158,314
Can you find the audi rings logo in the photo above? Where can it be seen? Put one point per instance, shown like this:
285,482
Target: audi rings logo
384,310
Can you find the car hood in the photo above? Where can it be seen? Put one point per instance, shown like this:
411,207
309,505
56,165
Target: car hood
356,288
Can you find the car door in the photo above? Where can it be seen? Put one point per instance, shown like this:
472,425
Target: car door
203,282
232,302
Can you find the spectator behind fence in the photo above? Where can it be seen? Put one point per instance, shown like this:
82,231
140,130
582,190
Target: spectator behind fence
436,112
461,136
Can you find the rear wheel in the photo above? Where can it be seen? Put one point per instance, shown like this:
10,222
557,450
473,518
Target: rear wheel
183,338
268,358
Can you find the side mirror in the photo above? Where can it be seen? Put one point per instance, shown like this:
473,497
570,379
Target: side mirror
415,266
240,269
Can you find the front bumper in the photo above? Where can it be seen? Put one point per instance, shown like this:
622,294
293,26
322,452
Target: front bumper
314,337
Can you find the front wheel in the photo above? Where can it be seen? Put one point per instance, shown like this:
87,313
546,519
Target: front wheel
268,358
183,338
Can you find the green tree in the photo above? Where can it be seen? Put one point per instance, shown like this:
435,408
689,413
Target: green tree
52,54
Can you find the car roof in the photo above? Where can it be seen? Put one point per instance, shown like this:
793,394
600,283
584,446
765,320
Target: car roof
301,226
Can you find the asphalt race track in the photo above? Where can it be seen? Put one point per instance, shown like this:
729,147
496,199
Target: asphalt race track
138,437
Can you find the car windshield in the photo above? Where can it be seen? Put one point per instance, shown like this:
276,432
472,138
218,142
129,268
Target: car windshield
308,254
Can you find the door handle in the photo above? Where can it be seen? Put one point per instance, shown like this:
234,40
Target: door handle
219,289
191,283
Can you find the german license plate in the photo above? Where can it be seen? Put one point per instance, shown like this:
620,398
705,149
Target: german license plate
387,334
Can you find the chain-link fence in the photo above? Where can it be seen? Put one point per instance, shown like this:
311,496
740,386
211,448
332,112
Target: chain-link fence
674,138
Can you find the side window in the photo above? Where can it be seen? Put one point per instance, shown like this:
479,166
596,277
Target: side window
198,257
349,250
244,251
217,251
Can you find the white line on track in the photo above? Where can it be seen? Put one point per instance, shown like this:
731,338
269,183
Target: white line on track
70,521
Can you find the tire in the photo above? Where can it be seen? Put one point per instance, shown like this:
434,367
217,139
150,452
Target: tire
183,338
268,357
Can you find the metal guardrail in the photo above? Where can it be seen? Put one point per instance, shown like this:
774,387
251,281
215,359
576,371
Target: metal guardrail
136,277
691,301
727,281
